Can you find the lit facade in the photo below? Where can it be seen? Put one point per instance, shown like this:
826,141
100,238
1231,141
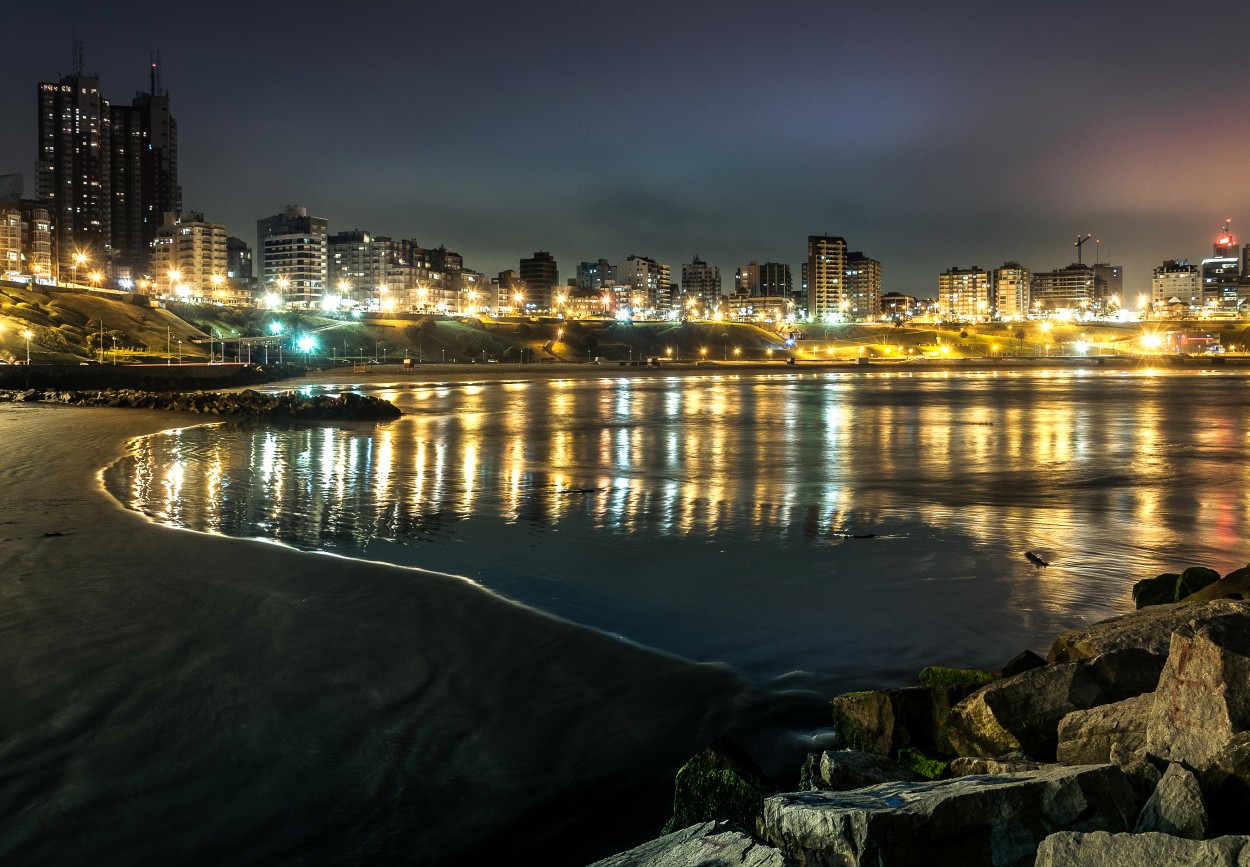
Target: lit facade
700,287
1011,290
293,253
1221,274
1176,278
862,281
26,241
73,177
964,293
641,285
1067,289
189,261
825,275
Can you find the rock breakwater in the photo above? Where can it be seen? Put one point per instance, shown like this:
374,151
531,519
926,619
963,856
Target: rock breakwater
1129,745
249,404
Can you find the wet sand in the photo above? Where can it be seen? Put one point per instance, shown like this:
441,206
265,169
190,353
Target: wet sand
176,697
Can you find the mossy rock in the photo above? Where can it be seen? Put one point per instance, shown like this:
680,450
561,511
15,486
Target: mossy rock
722,782
1172,587
1194,579
939,675
1160,590
920,762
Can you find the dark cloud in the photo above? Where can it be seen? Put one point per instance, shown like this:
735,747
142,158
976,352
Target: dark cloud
926,134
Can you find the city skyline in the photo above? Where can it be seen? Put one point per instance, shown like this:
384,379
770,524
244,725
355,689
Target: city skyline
504,134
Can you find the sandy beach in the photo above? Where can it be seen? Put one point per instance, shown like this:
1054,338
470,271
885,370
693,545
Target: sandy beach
175,697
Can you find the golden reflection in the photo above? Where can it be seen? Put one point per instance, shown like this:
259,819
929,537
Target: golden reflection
1094,465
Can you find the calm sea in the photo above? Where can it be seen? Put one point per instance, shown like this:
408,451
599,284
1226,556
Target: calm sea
829,530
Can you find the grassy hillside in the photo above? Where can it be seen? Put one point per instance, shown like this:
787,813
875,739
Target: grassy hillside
67,327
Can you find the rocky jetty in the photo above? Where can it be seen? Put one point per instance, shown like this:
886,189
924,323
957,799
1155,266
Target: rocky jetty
1129,744
249,404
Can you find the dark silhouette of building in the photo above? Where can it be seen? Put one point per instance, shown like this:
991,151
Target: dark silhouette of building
541,277
144,176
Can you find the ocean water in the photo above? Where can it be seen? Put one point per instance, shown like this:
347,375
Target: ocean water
822,531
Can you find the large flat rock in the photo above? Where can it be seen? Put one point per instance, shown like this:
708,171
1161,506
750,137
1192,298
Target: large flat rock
970,821
1100,849
1149,629
711,844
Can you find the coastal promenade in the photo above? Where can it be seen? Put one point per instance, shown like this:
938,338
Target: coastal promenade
184,698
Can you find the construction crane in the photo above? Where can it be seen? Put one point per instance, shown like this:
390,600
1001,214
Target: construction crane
1080,242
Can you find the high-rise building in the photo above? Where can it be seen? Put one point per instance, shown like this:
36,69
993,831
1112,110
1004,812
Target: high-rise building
1176,278
189,260
541,277
1070,289
862,282
642,285
595,275
747,280
143,176
27,243
294,256
73,169
1221,274
369,270
1108,286
700,287
239,261
1010,294
964,293
775,282
109,173
825,276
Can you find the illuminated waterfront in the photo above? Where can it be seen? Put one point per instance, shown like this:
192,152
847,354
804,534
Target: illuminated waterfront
716,517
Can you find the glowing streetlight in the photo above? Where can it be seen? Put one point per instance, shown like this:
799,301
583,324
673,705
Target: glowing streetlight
95,278
79,259
27,335
217,280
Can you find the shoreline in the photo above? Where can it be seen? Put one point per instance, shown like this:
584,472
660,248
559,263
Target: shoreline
446,720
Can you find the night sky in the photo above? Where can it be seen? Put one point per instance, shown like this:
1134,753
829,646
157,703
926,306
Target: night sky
926,134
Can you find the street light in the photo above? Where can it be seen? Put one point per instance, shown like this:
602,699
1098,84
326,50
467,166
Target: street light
26,334
79,259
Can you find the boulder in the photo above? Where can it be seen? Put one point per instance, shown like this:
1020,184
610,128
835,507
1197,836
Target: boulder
1149,629
841,770
969,766
722,782
1100,849
1176,807
1202,700
1226,784
967,821
887,720
1024,661
1172,587
711,843
1159,590
1086,737
1141,773
1022,712
1234,585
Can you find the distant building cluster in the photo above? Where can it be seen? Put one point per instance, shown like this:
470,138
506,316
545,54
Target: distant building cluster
107,213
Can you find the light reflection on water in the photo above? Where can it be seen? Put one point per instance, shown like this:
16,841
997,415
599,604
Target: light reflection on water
715,516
